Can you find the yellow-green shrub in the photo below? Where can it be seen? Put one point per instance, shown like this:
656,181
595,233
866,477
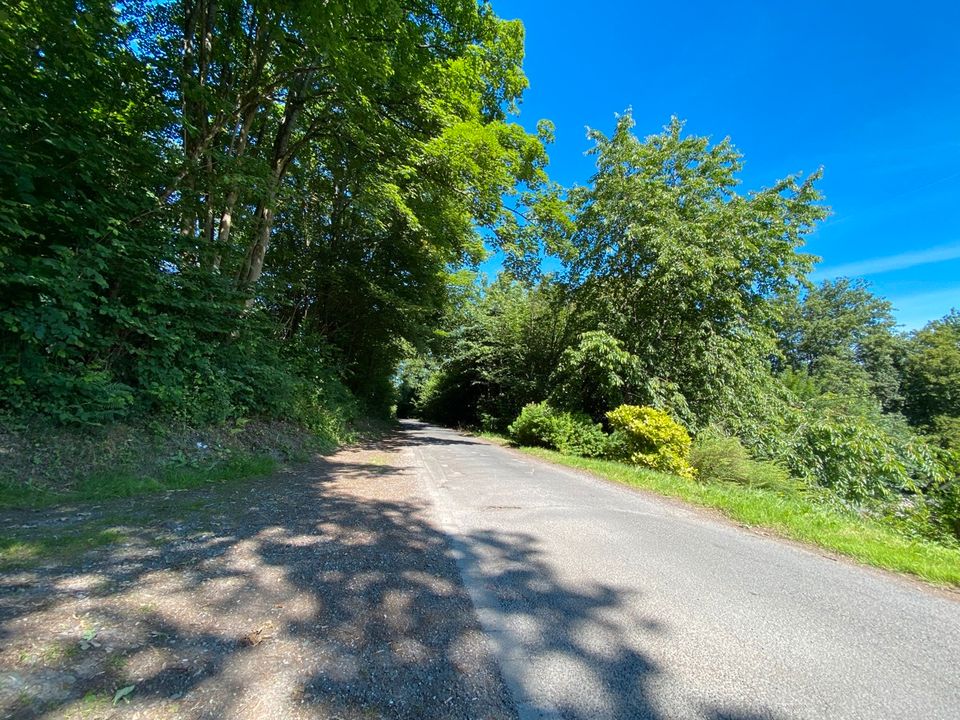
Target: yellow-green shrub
650,438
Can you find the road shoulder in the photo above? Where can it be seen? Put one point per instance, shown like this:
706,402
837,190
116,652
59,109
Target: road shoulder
326,591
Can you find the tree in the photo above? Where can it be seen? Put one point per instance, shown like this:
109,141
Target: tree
843,336
679,265
81,248
226,192
595,375
499,352
932,376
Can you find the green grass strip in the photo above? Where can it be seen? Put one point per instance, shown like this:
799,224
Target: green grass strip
126,482
793,517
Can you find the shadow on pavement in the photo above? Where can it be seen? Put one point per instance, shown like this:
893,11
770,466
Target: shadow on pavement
327,592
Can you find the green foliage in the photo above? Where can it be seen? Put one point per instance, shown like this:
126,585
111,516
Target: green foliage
413,372
577,434
934,514
678,266
76,167
534,426
945,431
932,372
540,425
716,457
860,458
944,503
596,374
650,438
842,336
502,345
197,223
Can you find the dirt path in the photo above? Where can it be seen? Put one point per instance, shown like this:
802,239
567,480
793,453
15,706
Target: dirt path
326,592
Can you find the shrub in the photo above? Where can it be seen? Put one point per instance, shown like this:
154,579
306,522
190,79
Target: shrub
575,434
945,431
541,425
651,438
721,458
861,459
533,426
942,501
945,502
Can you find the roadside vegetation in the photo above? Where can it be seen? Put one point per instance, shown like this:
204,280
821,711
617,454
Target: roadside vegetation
228,215
233,233
683,335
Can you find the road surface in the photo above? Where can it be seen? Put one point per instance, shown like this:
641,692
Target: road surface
601,602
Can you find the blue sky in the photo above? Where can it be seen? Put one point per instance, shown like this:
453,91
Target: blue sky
869,91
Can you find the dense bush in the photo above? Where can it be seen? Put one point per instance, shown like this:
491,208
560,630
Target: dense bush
861,459
541,425
936,513
721,458
577,434
945,506
651,438
534,426
945,431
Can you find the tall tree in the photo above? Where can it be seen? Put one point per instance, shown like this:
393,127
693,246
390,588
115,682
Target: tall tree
932,377
222,188
681,264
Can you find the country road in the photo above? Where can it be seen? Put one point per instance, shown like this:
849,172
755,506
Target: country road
601,602
429,575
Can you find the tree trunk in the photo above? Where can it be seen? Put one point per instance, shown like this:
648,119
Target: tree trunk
252,267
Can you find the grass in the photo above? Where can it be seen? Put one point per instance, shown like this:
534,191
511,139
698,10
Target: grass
30,548
794,517
127,482
18,552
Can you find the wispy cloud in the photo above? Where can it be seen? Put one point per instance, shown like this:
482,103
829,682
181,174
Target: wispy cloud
916,310
875,266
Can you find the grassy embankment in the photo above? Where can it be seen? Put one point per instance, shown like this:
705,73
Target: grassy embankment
55,471
791,516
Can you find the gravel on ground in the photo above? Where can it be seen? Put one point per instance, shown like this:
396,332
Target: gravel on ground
325,591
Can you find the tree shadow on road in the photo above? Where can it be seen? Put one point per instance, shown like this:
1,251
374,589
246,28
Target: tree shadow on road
328,592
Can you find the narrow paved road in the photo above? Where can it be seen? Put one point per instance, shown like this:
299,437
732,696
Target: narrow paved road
601,602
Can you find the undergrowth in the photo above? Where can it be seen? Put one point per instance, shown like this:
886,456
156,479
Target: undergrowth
43,466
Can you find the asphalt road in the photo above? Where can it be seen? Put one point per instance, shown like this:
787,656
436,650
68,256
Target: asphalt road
601,602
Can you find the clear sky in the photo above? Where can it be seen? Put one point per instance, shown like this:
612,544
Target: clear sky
868,90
